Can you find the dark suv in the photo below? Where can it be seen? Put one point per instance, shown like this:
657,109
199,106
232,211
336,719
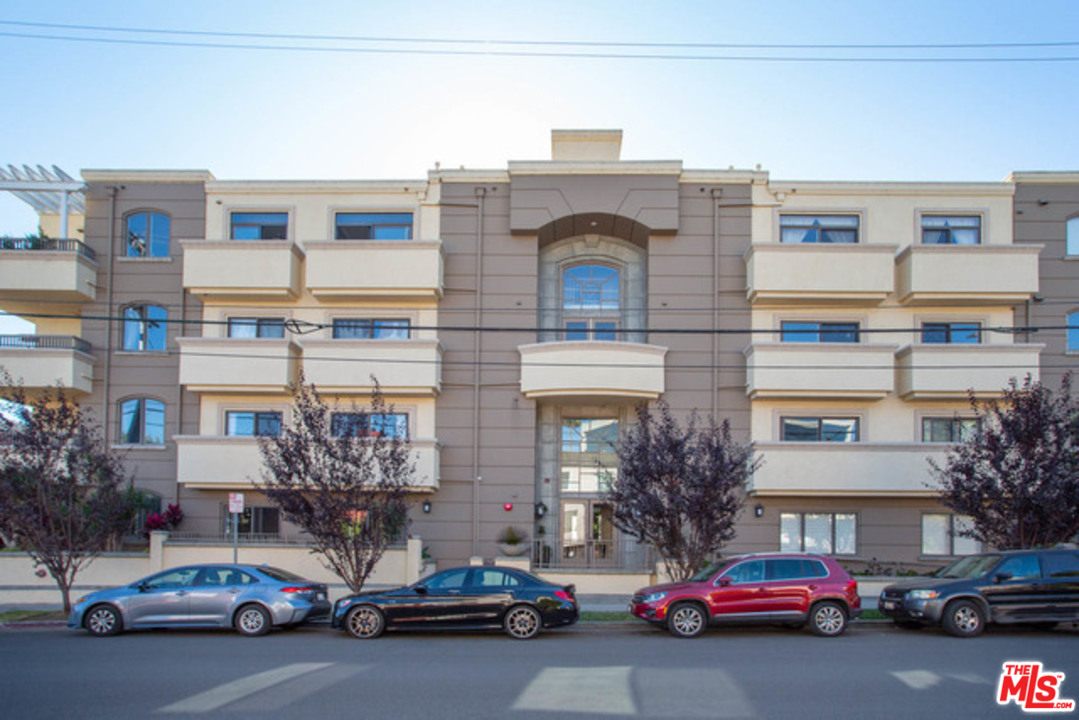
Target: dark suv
789,588
1019,586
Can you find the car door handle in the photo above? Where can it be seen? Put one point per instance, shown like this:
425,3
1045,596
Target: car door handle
453,592
234,591
181,593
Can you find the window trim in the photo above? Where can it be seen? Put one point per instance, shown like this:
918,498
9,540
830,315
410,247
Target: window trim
858,227
276,210
1071,320
810,415
957,214
950,330
255,412
335,225
142,400
149,212
373,323
258,323
952,517
922,418
832,513
144,332
820,333
396,411
1071,238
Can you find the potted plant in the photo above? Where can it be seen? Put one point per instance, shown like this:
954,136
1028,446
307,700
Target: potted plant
512,542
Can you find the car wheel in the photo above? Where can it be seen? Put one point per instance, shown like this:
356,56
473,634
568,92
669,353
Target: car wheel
828,619
963,618
522,622
252,620
103,620
365,622
687,620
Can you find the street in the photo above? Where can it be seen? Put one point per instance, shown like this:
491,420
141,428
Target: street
589,670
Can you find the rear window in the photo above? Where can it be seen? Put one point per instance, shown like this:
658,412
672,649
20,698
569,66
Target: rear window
1061,564
279,574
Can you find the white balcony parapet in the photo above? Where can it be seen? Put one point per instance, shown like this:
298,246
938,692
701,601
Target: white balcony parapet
47,269
782,273
401,367
813,370
234,463
238,364
926,371
846,469
592,368
236,269
369,269
39,362
987,274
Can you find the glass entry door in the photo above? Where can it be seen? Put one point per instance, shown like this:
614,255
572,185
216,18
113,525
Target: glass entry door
588,533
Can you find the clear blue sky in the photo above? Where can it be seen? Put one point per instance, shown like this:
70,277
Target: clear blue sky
281,114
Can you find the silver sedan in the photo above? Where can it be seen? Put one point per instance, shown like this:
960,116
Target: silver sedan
249,598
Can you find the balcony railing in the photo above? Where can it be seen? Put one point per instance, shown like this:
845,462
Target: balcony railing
48,244
38,342
621,555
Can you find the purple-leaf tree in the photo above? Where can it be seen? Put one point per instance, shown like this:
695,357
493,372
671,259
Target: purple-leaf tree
680,488
64,498
342,476
1017,475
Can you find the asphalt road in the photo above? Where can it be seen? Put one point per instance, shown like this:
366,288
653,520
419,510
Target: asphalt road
586,671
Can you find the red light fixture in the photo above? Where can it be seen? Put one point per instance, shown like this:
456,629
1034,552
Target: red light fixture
507,506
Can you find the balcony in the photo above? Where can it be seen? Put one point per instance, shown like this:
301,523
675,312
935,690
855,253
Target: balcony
951,371
986,274
42,361
819,370
846,469
402,367
238,364
216,462
778,273
231,270
47,270
592,368
372,269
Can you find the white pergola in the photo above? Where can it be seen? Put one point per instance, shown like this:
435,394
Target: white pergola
47,191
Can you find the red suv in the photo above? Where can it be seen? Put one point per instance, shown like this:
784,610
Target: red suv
789,588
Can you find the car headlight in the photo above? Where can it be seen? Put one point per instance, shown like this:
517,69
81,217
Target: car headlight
654,597
81,600
343,603
923,594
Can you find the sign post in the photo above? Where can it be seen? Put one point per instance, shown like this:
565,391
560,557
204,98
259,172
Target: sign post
236,506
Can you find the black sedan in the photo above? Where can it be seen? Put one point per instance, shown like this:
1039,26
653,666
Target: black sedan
469,597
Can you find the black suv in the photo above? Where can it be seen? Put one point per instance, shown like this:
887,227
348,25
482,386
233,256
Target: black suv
1018,586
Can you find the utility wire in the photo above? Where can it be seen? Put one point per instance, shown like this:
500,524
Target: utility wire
543,54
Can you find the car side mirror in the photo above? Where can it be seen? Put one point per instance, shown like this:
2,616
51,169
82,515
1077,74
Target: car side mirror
724,581
420,589
1003,577
142,587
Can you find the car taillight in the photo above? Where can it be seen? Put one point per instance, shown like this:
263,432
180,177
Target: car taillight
563,595
297,589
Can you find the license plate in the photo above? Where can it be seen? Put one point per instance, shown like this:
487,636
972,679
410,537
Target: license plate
320,596
889,605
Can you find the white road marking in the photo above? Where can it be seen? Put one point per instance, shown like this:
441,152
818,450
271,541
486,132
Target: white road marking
971,678
917,679
602,690
237,689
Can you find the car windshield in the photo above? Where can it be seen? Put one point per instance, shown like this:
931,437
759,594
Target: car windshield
709,572
974,566
279,574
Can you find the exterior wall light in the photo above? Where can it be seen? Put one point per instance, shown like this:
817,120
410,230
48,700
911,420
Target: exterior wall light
758,511
426,506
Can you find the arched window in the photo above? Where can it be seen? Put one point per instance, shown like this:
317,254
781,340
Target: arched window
142,422
591,301
144,328
146,234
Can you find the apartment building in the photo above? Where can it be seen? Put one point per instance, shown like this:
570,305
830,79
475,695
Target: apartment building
837,325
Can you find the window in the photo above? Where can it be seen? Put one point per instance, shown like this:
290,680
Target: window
589,459
487,578
1073,237
1020,567
815,332
172,579
948,429
818,228
391,425
940,535
147,234
792,569
370,329
824,533
256,327
951,230
819,429
142,422
447,580
957,333
254,520
144,328
751,571
591,302
252,424
1063,564
373,226
1073,331
259,226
